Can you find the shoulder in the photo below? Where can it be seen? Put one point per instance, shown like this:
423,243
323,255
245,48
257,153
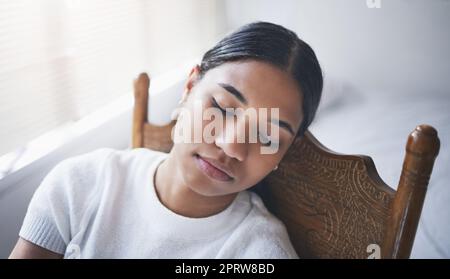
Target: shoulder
87,163
264,234
79,177
77,170
90,165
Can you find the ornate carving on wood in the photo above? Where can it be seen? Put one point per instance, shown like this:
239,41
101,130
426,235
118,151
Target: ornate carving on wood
334,200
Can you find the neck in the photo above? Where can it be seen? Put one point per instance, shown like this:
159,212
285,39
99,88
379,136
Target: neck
174,194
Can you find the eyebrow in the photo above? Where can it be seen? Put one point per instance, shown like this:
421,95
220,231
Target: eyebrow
236,93
285,125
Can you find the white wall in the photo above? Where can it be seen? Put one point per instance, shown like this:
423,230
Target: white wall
404,45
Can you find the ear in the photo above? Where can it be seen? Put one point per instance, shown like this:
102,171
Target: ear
192,79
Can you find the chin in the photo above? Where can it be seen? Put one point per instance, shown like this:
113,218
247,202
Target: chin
204,186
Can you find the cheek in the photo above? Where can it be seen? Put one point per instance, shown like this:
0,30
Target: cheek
258,166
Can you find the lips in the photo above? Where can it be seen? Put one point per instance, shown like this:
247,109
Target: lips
212,169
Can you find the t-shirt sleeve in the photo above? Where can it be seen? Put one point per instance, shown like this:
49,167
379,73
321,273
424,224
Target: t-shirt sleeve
59,204
46,222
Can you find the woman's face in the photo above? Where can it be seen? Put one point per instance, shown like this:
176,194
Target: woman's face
222,165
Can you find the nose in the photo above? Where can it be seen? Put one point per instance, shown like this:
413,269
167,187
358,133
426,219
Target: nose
232,140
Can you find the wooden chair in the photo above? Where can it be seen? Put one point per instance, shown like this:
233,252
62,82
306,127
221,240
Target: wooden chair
333,205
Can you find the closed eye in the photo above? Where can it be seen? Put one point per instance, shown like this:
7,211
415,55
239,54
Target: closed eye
224,111
265,140
216,105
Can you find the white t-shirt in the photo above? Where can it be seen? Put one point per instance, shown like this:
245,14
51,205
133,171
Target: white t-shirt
103,204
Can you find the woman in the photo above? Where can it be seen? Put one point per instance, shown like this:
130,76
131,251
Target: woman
192,202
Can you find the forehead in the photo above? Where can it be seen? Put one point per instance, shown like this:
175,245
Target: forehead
262,84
